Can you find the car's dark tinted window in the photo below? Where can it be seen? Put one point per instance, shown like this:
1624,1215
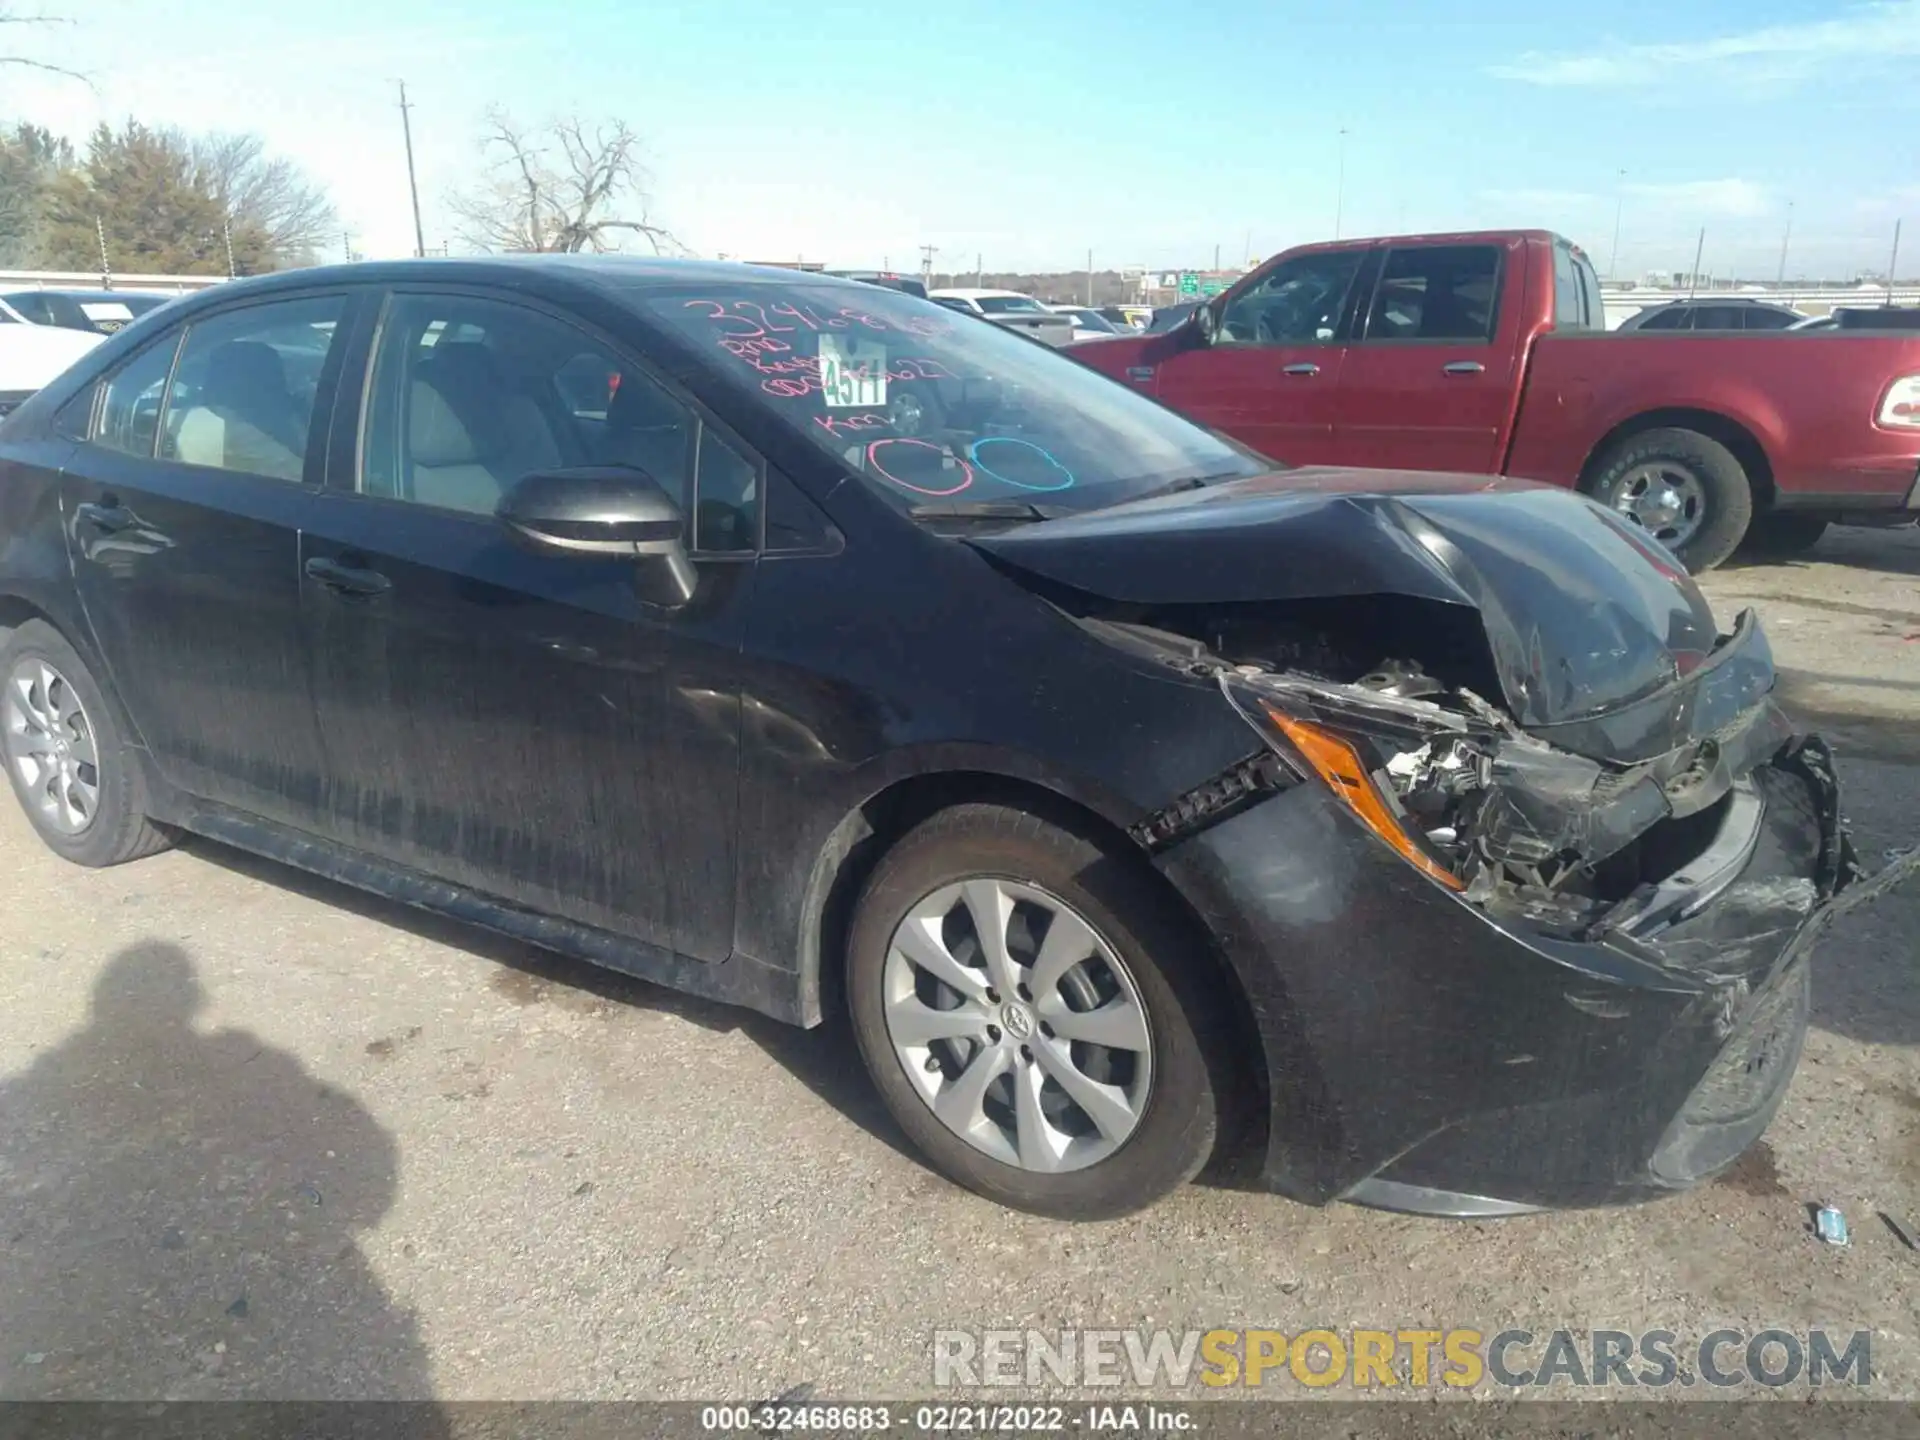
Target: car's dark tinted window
130,415
1720,317
1299,303
793,523
1674,317
1762,318
1440,292
470,395
1009,305
244,390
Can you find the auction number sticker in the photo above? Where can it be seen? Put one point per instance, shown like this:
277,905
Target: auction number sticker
853,373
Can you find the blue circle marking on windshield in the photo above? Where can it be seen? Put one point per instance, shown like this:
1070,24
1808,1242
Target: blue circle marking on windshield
1061,477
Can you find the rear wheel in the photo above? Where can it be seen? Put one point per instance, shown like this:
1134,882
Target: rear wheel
1685,489
1033,1015
75,776
1779,535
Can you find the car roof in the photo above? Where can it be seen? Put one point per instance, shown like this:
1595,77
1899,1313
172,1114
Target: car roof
960,294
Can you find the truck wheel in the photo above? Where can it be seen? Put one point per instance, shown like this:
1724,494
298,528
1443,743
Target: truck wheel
1777,536
1681,487
1036,1018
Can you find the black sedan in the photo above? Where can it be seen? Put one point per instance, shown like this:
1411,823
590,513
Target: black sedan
784,639
100,312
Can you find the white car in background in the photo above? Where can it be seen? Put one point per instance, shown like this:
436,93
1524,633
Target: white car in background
1088,323
1011,309
31,355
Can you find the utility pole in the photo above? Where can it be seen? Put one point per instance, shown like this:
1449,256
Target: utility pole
106,268
413,183
1693,280
1089,278
226,234
346,245
927,252
1619,204
1893,265
1216,259
1340,184
979,271
1785,235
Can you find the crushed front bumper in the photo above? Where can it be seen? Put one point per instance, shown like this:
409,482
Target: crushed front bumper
1426,1053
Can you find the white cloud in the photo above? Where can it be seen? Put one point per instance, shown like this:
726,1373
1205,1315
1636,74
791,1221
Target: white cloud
1776,53
1543,200
1740,199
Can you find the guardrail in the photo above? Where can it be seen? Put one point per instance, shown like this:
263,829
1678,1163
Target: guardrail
91,280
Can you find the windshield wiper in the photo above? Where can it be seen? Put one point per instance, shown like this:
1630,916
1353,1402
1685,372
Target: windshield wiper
986,510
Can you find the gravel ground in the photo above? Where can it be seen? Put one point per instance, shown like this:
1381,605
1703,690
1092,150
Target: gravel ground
262,1136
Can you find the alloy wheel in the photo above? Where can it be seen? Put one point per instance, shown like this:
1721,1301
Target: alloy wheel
1018,1024
50,744
1665,500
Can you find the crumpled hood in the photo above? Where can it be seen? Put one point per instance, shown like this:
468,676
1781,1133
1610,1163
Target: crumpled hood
1584,615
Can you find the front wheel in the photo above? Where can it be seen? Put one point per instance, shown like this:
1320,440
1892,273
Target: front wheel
1779,536
1685,489
1033,1014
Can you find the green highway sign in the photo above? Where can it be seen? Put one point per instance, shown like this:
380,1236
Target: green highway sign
1189,283
1212,287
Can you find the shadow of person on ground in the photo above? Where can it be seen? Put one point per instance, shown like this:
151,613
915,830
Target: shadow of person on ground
178,1213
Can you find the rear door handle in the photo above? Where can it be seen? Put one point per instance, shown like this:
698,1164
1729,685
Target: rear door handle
109,518
347,579
1305,368
1464,367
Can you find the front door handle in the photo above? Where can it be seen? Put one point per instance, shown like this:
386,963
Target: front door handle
347,579
1305,368
110,519
1463,367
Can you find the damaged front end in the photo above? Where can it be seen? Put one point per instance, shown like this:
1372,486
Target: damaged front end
1671,876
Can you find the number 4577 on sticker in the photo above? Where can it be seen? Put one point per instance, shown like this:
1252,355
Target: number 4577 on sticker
852,374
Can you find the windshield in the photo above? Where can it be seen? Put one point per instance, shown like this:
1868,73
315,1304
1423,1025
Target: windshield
928,406
1010,305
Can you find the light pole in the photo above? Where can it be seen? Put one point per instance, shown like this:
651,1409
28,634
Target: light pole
1619,204
1340,183
413,185
1785,236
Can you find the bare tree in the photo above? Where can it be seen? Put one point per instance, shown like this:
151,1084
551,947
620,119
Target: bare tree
265,194
564,188
7,17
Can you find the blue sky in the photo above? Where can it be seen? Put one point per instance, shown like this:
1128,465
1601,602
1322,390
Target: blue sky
1030,132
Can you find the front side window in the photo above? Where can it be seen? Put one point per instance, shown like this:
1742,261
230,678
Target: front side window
1300,302
1761,318
32,307
130,416
469,396
1440,292
245,388
1674,317
1010,305
931,408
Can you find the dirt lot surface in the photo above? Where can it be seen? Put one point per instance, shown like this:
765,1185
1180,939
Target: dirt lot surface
262,1136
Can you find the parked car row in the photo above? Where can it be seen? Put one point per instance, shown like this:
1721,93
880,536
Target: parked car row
1139,794
1736,312
1487,354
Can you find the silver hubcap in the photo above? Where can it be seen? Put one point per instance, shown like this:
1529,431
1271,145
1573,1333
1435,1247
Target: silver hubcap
1018,1025
50,745
1662,499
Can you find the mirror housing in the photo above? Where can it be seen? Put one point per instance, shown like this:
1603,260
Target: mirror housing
608,512
1206,323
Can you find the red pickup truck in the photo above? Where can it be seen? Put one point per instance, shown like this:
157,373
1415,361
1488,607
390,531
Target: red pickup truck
1488,353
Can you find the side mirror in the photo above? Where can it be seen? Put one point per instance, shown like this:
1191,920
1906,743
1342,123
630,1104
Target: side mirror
610,512
1206,323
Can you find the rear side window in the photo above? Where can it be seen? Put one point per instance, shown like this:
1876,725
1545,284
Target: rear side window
130,416
1678,317
1439,292
1762,319
1720,317
243,394
1576,291
32,306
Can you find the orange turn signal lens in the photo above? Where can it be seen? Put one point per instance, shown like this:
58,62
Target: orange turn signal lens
1346,775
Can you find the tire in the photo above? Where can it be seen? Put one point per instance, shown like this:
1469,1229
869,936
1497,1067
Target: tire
1780,535
1724,493
114,826
1178,1090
